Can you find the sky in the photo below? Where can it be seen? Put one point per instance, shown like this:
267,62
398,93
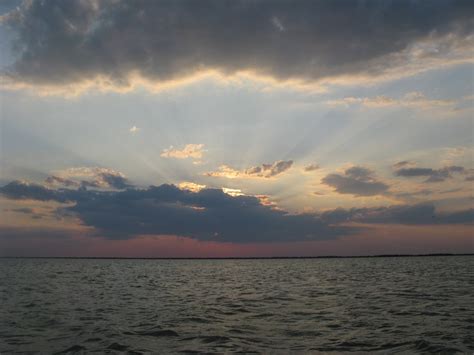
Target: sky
221,128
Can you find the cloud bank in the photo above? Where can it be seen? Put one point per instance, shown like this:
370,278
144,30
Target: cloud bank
421,214
212,214
207,214
64,42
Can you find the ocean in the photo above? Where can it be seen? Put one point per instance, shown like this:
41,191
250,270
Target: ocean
384,304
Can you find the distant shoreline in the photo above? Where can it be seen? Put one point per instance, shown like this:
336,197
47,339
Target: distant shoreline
237,258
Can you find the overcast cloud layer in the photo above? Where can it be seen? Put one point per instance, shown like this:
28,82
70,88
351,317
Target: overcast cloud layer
62,42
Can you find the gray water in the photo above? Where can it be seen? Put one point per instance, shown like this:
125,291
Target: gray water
416,304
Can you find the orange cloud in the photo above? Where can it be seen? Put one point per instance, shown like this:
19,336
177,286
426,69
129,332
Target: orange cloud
260,171
194,151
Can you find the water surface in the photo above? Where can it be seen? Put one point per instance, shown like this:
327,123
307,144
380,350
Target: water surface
403,304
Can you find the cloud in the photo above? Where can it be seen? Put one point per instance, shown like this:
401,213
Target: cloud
56,180
226,171
208,214
35,214
422,214
403,163
212,214
260,171
25,190
112,180
433,175
278,25
311,167
449,191
58,187
237,192
94,177
409,172
413,100
112,41
194,151
410,194
25,210
357,181
191,186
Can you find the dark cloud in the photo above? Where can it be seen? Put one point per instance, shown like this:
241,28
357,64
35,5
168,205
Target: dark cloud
114,181
8,5
409,172
19,190
311,167
433,175
23,190
270,170
359,173
69,41
456,189
423,192
209,214
423,214
358,181
98,178
56,180
24,210
401,164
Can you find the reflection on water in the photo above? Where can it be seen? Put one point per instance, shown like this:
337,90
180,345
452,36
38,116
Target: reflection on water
421,304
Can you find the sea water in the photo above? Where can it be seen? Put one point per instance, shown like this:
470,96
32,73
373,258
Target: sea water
392,304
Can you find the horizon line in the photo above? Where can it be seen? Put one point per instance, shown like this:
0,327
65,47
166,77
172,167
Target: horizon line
240,257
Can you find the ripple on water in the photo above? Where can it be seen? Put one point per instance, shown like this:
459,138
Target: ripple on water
158,333
400,305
